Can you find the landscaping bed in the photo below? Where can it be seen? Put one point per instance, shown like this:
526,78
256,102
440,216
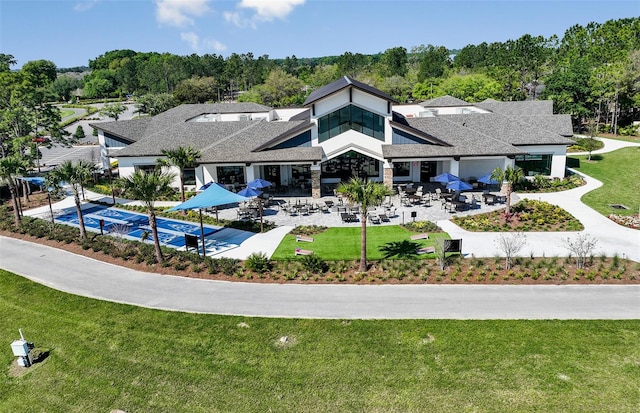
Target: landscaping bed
525,270
526,215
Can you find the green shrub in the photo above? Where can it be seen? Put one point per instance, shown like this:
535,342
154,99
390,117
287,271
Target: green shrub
422,226
228,266
258,262
313,263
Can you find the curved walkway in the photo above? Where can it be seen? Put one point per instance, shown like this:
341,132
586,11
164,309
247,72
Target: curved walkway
613,239
84,276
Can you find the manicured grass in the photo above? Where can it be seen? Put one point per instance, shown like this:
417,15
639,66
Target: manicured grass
343,243
619,172
65,113
106,356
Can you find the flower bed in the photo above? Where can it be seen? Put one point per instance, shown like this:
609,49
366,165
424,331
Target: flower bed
631,221
527,215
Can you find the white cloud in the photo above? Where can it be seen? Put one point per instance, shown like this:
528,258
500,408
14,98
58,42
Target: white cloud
202,46
179,12
267,10
192,39
236,19
84,5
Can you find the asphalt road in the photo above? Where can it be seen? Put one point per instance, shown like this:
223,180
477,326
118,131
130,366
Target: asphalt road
83,276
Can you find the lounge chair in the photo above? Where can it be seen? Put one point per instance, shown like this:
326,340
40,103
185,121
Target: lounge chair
424,235
426,250
384,218
374,218
303,238
300,251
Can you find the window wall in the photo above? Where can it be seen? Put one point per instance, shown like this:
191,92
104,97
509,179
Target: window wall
534,164
230,174
351,164
350,117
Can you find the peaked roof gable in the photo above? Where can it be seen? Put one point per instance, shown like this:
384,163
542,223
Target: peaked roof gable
344,83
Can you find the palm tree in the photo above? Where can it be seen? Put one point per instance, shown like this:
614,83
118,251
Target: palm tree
182,158
365,194
76,175
511,176
10,168
147,187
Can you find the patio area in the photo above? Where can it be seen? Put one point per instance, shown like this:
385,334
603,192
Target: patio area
331,211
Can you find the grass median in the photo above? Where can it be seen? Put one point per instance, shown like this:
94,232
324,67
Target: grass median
105,356
618,171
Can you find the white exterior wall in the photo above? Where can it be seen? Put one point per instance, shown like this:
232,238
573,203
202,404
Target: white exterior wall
477,167
287,113
126,165
558,159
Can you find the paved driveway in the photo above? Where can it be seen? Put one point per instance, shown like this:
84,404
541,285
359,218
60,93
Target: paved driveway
83,276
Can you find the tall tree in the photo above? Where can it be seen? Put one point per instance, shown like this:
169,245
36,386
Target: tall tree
155,103
394,62
365,194
113,110
510,177
182,158
76,175
12,167
148,187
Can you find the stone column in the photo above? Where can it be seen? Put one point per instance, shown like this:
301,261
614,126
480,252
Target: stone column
315,181
388,177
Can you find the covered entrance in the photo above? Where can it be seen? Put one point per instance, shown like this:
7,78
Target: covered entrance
349,164
428,169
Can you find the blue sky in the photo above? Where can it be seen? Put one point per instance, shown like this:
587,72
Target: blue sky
71,32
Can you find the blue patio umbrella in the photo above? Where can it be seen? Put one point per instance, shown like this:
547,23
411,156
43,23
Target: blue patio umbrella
213,196
459,186
208,184
446,177
488,180
258,184
250,192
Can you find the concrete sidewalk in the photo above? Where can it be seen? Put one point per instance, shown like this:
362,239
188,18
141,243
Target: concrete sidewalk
613,239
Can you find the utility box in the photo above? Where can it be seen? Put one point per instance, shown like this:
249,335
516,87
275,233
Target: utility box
22,349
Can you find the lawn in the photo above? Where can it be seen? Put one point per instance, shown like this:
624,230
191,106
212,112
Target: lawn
619,172
343,243
106,356
66,112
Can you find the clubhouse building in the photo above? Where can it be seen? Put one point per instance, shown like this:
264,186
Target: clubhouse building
344,129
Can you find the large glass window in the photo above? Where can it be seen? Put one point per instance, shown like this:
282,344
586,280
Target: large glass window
189,176
145,168
230,174
350,117
351,164
401,169
534,164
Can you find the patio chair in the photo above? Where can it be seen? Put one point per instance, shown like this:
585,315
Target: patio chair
374,218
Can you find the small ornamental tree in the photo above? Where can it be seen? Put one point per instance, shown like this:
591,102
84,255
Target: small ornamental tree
581,247
510,245
79,134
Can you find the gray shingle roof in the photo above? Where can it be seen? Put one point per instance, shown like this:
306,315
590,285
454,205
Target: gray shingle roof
464,141
224,141
444,101
131,130
343,83
510,130
518,108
